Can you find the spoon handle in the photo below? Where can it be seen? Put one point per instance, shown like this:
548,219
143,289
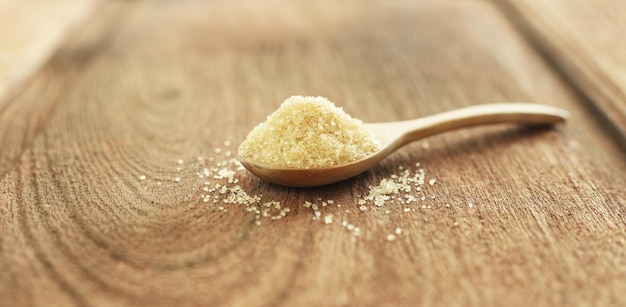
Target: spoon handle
497,113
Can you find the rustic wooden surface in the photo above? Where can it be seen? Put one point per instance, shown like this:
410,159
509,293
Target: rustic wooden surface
519,216
585,43
30,32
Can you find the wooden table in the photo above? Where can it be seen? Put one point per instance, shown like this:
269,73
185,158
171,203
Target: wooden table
110,112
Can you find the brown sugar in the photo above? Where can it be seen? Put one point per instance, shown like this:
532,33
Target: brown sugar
308,132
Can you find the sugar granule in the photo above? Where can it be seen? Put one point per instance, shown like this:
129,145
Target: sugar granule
308,132
328,219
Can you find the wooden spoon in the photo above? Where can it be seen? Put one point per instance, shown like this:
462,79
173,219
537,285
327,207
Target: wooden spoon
394,135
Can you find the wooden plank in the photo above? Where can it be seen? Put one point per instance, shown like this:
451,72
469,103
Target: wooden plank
30,32
519,216
584,40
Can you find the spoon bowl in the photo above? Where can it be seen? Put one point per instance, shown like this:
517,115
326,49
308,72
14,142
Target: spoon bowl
394,135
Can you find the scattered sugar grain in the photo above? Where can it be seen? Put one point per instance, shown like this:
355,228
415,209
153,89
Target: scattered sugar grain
328,219
177,179
432,181
404,187
395,185
391,237
142,177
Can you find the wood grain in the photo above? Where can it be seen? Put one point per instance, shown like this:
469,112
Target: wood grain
585,43
146,84
30,32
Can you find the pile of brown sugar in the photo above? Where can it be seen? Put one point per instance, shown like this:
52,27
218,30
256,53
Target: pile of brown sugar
308,132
